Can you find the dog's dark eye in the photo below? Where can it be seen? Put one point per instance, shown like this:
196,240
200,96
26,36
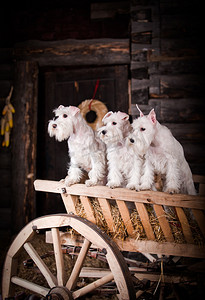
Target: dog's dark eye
65,116
142,129
114,123
55,118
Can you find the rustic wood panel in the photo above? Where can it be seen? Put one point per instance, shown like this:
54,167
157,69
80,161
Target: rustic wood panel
149,197
144,217
164,224
70,202
185,225
183,110
88,208
75,52
180,86
106,209
109,10
124,211
24,143
200,218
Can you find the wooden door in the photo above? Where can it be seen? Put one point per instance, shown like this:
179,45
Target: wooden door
71,87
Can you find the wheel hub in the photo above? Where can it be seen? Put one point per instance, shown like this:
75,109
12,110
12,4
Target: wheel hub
59,293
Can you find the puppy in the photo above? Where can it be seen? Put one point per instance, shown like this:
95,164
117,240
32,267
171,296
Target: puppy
163,155
86,151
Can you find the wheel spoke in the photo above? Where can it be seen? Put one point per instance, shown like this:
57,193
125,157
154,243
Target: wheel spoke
92,286
30,285
78,265
58,256
41,265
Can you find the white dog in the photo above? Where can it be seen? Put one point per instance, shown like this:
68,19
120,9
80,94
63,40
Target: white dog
86,151
134,163
123,163
163,155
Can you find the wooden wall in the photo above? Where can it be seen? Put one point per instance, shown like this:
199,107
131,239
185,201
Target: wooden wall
167,70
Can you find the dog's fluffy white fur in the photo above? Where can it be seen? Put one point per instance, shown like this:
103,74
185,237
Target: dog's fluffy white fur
134,152
123,163
163,155
86,150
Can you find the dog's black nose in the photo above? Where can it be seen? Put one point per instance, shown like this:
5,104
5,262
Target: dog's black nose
54,125
104,132
132,141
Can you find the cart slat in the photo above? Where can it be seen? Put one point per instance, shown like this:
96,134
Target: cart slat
185,225
144,217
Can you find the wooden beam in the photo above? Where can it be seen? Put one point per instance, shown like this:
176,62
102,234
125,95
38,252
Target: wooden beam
165,248
150,197
24,143
75,52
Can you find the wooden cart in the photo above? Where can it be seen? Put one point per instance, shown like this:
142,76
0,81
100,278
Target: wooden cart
83,232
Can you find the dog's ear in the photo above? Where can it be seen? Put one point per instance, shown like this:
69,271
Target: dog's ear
107,115
60,107
55,111
141,113
123,116
152,116
73,110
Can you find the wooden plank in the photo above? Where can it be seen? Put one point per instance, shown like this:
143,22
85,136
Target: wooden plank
108,10
200,218
181,86
171,108
163,223
164,248
125,216
70,202
133,245
185,225
201,189
88,208
139,273
24,144
199,178
75,52
145,220
106,209
150,197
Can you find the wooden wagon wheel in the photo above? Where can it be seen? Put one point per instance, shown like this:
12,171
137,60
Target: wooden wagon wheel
59,284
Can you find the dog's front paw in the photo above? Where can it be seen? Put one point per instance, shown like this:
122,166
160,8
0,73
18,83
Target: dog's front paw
90,182
172,190
144,187
70,181
112,184
132,186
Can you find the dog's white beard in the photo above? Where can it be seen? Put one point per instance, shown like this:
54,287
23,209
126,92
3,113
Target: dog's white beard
60,132
142,145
